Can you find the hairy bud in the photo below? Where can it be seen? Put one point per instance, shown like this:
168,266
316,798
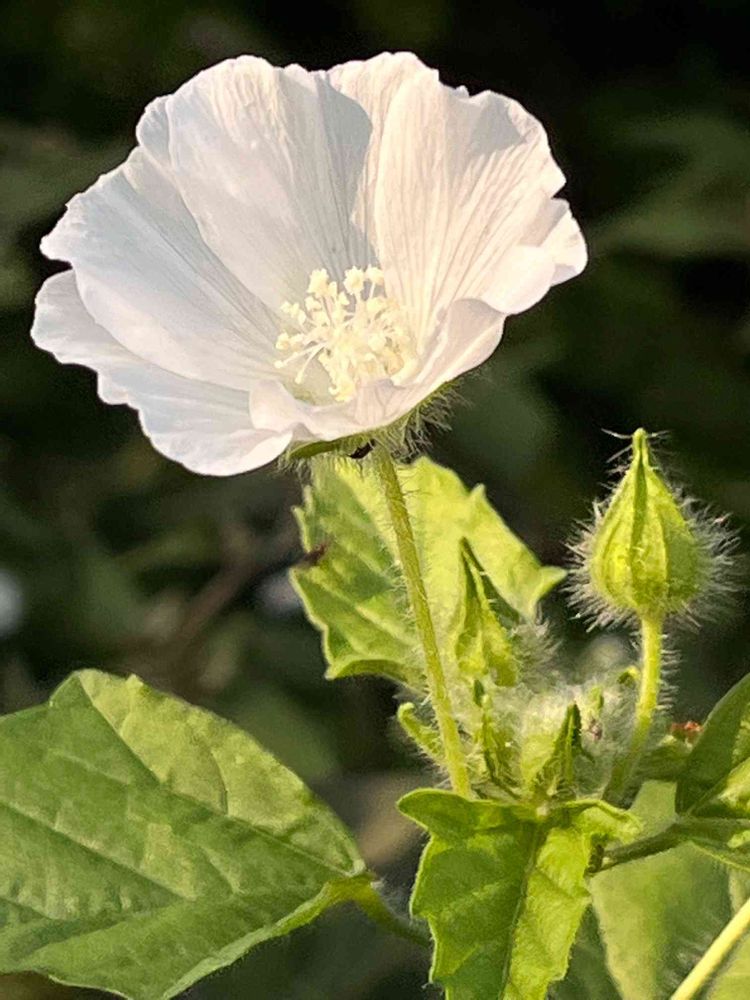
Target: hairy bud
644,556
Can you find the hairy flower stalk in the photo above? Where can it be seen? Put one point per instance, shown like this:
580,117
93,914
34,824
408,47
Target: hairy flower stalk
643,560
646,706
455,761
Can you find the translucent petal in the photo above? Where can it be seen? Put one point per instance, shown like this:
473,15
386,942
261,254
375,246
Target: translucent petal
204,426
269,162
464,188
146,274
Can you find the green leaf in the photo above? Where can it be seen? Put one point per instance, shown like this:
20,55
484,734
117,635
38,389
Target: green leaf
145,843
425,736
351,582
555,776
666,761
588,977
485,643
658,914
503,894
726,840
716,779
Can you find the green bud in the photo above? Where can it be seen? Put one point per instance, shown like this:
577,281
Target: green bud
644,556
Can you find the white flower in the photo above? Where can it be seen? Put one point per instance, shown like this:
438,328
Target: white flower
290,256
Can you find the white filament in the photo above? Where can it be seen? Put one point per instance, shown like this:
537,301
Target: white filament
355,332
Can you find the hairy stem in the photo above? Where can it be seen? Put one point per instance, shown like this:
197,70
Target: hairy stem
455,761
648,700
644,848
716,954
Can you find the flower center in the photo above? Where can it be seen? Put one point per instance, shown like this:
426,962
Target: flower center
355,333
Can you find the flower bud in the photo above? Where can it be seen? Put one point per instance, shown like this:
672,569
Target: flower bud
643,555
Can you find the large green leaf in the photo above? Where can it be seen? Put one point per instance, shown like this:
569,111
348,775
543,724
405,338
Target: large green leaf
588,977
658,914
503,894
145,843
716,779
351,583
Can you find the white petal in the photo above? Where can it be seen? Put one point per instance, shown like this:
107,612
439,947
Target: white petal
373,84
470,332
205,427
553,251
146,274
463,184
269,161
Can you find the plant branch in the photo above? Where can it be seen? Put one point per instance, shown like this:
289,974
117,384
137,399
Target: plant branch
455,761
373,904
644,848
715,956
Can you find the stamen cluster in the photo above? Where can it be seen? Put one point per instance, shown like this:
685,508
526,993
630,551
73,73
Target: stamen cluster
354,332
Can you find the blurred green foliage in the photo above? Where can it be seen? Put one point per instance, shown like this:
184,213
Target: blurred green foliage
112,557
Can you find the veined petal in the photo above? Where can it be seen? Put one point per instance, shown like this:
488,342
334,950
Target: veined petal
205,427
146,274
375,405
269,162
373,84
463,183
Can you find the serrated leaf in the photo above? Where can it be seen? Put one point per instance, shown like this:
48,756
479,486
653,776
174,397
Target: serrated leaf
503,895
715,781
588,977
555,776
658,914
145,843
351,583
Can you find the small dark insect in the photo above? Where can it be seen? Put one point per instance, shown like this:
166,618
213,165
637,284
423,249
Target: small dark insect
313,557
595,730
363,450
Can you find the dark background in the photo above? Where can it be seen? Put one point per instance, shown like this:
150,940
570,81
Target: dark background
111,556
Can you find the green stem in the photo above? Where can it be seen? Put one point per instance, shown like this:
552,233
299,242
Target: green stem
455,761
732,934
372,903
648,700
643,848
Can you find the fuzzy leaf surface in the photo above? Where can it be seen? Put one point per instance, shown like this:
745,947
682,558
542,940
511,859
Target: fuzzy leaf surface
145,843
351,584
503,895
